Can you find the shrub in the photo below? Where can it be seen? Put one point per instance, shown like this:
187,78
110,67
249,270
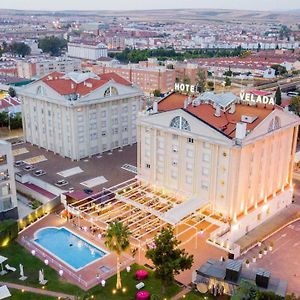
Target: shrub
8,232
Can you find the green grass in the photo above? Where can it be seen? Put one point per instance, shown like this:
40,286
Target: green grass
18,295
17,254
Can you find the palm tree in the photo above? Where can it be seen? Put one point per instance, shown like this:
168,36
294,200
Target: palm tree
117,240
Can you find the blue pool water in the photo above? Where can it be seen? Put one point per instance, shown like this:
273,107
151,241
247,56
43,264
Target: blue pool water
68,247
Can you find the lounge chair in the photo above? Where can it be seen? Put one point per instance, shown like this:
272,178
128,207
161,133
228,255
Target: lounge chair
140,285
9,268
43,282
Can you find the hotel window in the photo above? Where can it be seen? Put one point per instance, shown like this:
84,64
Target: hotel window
204,185
205,171
124,129
206,157
189,166
81,139
189,179
175,149
189,153
190,140
174,137
174,163
103,114
147,153
147,141
160,170
180,123
174,175
103,133
103,124
206,145
125,141
93,136
148,166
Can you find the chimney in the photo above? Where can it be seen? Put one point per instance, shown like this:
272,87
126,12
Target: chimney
232,108
155,107
189,100
218,111
241,130
185,103
72,86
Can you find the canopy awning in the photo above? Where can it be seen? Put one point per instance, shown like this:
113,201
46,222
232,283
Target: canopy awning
4,292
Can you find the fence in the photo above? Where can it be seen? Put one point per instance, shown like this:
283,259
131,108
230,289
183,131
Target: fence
86,285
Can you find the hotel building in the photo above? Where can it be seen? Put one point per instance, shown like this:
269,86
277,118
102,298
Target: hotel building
87,50
8,197
80,114
235,156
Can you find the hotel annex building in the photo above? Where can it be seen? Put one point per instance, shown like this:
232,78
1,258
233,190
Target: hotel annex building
78,115
236,157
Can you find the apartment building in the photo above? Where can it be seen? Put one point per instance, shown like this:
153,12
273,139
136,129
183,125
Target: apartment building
148,79
87,50
80,114
232,154
40,66
8,196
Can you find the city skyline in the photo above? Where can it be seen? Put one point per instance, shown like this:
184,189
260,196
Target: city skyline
266,5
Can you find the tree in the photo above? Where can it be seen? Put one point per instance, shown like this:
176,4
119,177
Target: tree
227,82
210,85
278,96
156,93
186,79
52,45
117,240
167,258
11,92
295,105
201,80
279,70
246,290
20,49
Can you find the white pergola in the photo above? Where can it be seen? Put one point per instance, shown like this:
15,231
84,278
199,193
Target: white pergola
145,210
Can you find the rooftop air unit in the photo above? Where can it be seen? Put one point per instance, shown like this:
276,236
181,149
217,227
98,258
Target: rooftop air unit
248,118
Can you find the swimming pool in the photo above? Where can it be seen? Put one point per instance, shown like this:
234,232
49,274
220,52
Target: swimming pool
68,247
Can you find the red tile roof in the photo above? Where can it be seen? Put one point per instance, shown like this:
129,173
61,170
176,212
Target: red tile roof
226,123
66,86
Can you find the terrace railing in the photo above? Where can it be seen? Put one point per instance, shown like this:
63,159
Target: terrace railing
68,273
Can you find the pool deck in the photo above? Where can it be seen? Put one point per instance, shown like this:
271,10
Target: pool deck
88,276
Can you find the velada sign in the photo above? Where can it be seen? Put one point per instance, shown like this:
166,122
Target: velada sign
251,98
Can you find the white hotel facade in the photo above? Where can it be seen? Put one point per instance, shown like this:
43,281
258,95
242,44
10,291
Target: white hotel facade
78,115
235,157
8,197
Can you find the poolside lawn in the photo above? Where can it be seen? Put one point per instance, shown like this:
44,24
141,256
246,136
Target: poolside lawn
17,254
18,295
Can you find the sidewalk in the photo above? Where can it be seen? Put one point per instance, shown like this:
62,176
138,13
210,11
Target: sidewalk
37,291
269,227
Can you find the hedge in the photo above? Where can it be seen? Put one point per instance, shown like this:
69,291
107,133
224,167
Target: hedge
8,231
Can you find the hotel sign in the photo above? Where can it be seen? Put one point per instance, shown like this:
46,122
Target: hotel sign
251,98
187,88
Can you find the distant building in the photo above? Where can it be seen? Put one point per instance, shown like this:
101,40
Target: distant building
87,50
10,104
147,78
80,114
40,66
8,196
269,73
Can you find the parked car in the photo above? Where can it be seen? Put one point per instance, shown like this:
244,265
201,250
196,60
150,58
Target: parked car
29,168
19,163
61,183
39,173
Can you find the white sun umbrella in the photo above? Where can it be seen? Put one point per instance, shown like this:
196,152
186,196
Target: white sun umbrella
21,270
41,276
2,260
4,292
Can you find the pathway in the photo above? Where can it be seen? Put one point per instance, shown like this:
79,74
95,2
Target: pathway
37,290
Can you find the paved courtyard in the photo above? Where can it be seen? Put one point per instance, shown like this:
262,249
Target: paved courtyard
107,165
283,261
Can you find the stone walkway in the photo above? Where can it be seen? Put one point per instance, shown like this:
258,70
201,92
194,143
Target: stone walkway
269,227
37,291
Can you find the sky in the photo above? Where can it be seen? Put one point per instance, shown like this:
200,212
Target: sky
148,4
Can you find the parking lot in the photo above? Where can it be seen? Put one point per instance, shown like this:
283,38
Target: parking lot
95,173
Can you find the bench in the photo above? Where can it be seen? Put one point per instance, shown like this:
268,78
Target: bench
140,285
